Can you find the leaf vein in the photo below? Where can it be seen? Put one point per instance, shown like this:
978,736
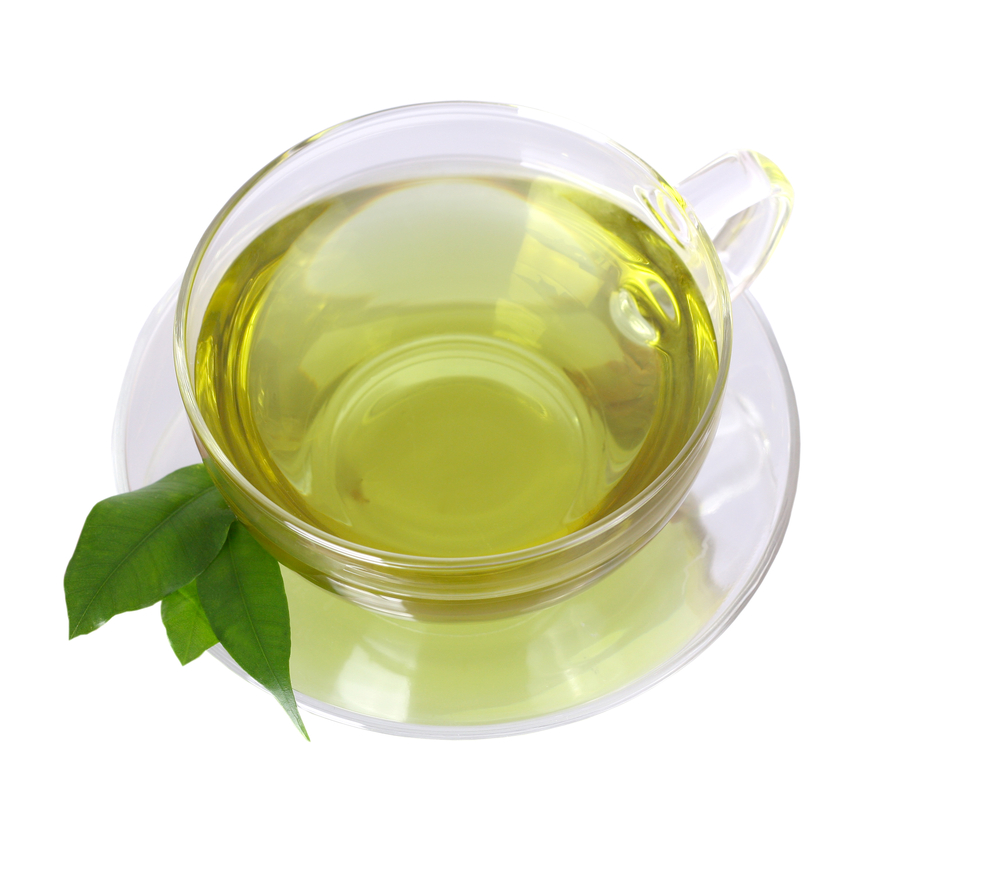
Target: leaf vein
129,554
253,626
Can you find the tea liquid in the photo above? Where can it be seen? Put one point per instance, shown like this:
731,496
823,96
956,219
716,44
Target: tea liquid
455,366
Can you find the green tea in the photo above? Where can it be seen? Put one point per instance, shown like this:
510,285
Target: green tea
455,366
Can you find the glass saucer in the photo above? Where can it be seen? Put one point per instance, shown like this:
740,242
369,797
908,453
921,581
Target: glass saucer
598,648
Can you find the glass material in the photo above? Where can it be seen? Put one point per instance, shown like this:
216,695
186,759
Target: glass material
575,658
743,201
744,192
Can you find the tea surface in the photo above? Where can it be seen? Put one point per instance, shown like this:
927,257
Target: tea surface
455,366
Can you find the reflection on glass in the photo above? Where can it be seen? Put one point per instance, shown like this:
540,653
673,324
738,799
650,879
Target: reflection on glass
523,666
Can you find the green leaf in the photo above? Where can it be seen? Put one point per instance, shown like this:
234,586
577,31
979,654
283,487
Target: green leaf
136,548
186,624
244,598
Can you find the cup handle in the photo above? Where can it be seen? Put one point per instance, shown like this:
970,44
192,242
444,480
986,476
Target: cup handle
743,201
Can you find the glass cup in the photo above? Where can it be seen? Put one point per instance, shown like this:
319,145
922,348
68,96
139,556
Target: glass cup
723,223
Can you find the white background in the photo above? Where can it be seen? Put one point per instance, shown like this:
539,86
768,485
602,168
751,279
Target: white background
844,728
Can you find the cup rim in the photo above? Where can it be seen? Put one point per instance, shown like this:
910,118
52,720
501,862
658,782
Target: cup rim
367,554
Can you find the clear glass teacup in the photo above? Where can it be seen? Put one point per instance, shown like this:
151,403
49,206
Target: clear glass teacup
433,180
